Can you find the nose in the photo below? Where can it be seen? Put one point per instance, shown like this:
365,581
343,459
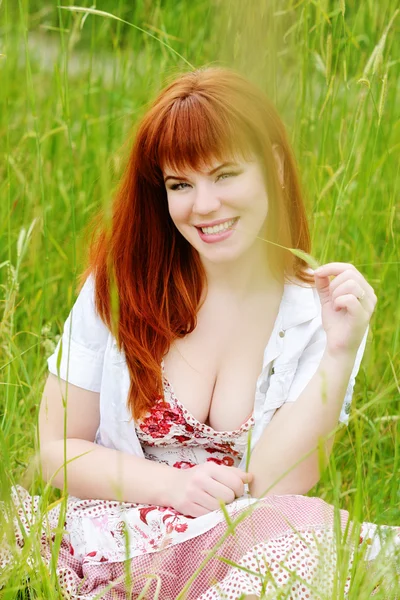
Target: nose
205,201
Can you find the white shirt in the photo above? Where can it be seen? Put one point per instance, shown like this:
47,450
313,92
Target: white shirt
91,360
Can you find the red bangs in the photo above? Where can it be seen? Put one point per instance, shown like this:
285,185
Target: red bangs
196,131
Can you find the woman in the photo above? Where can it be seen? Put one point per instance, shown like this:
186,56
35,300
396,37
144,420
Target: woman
195,333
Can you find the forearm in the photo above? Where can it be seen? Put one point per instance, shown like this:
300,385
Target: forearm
106,474
296,431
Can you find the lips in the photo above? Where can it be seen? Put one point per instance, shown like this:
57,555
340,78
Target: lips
218,222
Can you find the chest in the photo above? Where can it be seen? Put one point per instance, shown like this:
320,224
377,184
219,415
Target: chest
213,371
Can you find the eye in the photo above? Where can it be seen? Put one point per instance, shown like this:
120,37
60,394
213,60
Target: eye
175,186
227,175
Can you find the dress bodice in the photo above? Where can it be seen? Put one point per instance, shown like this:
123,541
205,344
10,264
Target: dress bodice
170,434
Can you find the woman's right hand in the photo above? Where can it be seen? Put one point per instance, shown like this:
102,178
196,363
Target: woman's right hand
197,490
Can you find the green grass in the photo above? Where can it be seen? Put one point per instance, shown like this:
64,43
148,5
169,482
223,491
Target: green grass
72,87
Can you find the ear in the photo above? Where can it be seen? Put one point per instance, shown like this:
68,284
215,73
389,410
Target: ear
280,162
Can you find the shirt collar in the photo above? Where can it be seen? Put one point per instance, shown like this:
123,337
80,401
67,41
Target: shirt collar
300,303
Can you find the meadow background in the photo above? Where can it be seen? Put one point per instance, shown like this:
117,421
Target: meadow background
72,87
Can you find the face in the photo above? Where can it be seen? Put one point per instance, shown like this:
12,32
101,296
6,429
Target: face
219,211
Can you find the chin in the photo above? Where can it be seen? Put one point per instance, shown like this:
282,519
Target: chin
224,255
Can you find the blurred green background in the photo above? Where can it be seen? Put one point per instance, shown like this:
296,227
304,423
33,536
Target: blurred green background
73,86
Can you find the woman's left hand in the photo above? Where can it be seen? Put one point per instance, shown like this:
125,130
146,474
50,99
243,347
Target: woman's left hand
347,302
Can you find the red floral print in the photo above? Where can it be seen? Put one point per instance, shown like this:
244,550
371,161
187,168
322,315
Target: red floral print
144,512
161,418
227,460
182,438
183,464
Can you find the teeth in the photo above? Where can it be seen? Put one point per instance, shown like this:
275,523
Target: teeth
218,228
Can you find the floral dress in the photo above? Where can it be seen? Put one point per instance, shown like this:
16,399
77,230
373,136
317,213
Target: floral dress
286,546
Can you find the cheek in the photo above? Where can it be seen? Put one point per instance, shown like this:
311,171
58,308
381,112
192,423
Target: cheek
254,199
260,197
179,211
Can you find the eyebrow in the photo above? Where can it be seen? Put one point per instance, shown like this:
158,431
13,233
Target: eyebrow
227,164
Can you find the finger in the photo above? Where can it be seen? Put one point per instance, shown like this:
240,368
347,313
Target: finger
195,510
247,477
351,304
354,275
208,501
227,491
232,477
365,303
349,287
229,477
334,268
322,285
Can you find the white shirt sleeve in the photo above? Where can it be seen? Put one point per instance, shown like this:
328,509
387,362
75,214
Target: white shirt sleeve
308,365
80,350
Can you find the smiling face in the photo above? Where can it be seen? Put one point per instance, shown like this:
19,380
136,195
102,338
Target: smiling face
220,210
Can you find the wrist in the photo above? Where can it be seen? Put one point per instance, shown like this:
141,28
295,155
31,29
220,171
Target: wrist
340,354
340,360
170,482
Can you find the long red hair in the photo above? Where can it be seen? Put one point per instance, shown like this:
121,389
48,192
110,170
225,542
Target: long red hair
148,279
